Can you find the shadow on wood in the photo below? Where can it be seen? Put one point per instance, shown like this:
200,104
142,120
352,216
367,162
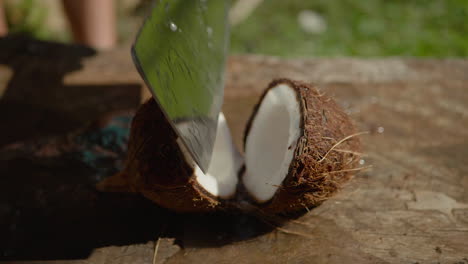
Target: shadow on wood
50,209
52,156
37,103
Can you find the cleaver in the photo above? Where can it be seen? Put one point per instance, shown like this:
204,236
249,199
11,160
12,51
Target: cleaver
180,52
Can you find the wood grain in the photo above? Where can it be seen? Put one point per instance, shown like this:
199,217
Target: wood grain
411,207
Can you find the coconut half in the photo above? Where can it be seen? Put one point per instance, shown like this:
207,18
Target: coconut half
159,166
291,148
298,151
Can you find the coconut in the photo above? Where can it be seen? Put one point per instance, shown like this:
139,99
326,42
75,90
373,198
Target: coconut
300,147
159,166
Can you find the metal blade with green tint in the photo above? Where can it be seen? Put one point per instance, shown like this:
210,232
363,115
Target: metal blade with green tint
180,52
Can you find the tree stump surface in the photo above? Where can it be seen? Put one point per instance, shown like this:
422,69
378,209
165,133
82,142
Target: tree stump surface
410,207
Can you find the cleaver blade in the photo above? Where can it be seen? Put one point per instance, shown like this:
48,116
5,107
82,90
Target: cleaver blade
180,52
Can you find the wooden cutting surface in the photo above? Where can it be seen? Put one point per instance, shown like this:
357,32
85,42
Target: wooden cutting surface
410,207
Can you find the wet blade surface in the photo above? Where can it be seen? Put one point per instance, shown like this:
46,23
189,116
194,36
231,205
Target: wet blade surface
180,52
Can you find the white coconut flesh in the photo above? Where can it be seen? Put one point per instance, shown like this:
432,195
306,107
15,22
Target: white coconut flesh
270,147
271,142
222,175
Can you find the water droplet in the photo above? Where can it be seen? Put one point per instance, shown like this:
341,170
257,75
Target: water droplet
209,30
172,26
210,45
362,162
380,130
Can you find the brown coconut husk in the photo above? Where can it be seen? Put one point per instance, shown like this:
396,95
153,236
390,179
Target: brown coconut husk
325,158
317,170
157,168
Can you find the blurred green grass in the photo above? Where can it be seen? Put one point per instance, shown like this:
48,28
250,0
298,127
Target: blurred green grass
27,16
365,28
370,28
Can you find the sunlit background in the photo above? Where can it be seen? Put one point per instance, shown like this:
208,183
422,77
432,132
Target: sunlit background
296,28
